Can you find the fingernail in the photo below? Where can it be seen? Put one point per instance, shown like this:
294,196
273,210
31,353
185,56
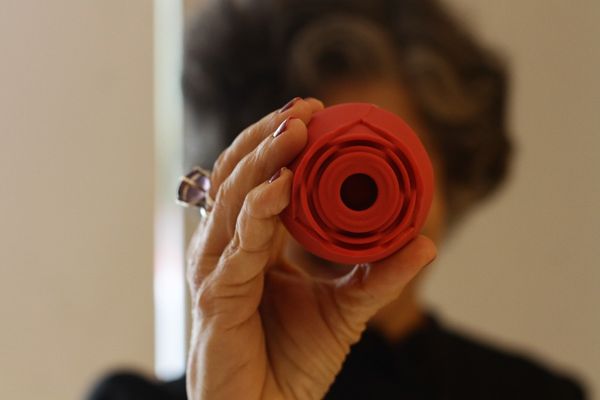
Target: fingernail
289,104
281,128
275,176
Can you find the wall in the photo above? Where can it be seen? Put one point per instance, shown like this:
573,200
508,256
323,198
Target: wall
524,269
76,176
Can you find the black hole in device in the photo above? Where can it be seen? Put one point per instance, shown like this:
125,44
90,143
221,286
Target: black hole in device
358,192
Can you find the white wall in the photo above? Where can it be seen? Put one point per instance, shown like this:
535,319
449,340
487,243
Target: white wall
76,192
525,269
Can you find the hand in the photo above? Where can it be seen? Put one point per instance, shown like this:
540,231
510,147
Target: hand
262,327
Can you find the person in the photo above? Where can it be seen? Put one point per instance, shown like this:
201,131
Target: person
273,321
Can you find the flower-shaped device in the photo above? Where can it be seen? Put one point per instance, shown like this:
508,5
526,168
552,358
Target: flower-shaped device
362,186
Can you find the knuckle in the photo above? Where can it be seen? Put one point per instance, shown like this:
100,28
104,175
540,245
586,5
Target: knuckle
194,274
251,198
206,299
226,205
268,124
253,201
259,158
219,166
215,299
223,192
256,131
232,248
241,227
198,262
256,158
253,165
255,198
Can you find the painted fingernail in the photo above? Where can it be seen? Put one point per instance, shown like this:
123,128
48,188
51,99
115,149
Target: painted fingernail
289,104
276,175
281,128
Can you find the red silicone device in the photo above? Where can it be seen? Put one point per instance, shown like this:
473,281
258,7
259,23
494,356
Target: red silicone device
362,186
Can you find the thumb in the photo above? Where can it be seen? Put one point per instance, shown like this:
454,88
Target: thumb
369,287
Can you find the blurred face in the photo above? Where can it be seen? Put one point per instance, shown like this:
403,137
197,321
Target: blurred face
389,95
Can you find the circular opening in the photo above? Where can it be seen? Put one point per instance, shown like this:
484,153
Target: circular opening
359,192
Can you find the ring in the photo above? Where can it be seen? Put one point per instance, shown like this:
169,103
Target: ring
194,189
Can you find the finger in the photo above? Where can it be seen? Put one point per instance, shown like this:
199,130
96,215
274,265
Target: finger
195,258
252,136
371,286
234,289
257,223
199,263
257,166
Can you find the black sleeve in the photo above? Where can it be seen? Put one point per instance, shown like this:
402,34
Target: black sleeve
125,385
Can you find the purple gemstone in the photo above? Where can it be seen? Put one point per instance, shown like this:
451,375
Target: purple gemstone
194,194
203,182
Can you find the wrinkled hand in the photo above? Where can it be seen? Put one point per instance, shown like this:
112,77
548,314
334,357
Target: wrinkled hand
263,328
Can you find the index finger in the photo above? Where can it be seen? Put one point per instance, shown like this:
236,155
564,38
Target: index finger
253,135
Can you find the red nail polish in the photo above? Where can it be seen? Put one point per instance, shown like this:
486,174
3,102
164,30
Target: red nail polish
281,128
275,176
289,104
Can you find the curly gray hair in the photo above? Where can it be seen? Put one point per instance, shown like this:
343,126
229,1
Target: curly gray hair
243,59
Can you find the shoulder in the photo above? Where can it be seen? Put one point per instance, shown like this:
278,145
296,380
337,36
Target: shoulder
496,372
436,362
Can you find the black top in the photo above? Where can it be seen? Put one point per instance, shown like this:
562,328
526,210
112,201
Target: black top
434,362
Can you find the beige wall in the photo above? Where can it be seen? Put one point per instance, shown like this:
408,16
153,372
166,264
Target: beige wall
76,191
525,269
